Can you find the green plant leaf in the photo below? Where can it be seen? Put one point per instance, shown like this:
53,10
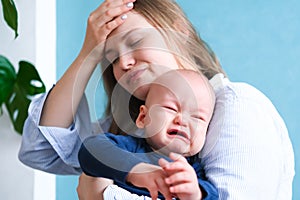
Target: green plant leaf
7,79
10,15
28,84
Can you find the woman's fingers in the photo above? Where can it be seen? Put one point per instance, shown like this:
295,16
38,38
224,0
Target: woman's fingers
154,195
110,26
101,22
163,188
112,14
109,10
159,185
107,17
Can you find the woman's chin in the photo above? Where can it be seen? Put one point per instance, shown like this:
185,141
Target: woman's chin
141,92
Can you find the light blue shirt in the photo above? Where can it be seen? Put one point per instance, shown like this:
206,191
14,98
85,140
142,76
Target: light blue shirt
247,154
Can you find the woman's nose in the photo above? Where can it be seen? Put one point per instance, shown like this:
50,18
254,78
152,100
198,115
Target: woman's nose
126,61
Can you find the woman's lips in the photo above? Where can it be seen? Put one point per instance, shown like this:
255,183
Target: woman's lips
134,75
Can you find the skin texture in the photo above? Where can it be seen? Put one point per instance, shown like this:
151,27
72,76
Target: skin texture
91,188
171,179
108,17
135,66
66,95
181,178
138,54
184,106
152,178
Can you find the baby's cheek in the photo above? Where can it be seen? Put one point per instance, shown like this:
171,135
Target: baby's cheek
198,136
156,121
197,143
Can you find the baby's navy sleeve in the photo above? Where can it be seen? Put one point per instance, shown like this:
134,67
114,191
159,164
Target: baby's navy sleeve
109,156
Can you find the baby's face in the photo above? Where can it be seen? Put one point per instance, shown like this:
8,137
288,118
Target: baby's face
177,117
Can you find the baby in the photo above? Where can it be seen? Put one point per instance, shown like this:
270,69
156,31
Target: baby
175,118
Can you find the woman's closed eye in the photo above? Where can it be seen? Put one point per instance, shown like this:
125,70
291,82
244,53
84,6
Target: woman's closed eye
135,43
113,58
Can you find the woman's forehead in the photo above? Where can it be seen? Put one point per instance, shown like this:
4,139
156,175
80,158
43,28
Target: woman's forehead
134,21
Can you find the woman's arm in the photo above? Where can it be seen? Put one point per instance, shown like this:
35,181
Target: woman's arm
56,124
66,95
91,188
53,149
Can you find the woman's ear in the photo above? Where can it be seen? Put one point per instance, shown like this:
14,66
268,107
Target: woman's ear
140,120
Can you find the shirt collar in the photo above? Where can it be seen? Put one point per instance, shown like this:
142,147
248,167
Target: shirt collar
218,82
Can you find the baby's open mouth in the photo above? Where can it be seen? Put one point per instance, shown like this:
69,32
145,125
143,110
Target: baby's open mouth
174,132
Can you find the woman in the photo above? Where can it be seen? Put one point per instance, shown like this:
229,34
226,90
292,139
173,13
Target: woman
248,154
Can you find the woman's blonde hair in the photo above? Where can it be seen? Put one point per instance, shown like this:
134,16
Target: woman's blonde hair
182,40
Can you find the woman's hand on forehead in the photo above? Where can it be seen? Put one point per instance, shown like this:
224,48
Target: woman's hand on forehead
101,22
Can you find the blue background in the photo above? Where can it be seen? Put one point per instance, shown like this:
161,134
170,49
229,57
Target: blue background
257,42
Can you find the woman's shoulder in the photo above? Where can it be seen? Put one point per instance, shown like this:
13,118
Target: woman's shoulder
238,107
227,91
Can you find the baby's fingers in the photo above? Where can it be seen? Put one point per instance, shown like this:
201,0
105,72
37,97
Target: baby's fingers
163,162
179,177
178,166
180,188
177,157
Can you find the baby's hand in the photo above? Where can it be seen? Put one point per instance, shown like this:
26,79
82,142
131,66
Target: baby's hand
151,177
181,177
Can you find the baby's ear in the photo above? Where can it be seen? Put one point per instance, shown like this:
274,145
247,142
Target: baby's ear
140,120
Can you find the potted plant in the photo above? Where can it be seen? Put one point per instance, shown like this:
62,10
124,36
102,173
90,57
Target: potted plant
17,88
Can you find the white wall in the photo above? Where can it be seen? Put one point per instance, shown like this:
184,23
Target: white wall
36,44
